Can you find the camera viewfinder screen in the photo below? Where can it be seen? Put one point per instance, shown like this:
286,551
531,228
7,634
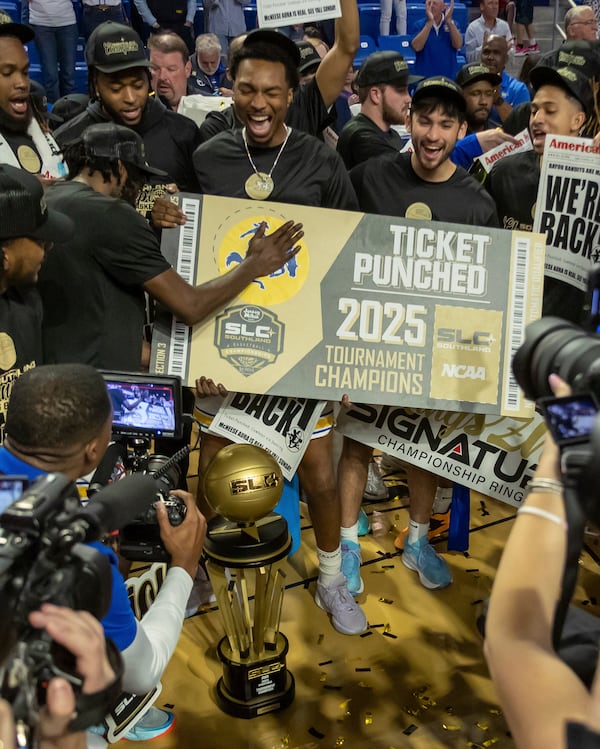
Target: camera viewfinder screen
571,419
142,407
11,489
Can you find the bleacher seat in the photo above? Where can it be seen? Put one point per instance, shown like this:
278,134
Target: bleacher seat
461,16
80,50
32,53
398,43
368,15
199,20
12,8
250,17
81,78
366,47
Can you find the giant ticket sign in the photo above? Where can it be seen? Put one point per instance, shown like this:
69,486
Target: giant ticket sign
387,310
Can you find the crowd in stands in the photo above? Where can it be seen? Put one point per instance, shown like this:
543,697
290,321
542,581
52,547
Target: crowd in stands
307,119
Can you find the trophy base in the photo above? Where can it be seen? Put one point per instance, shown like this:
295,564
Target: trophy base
259,705
253,687
255,545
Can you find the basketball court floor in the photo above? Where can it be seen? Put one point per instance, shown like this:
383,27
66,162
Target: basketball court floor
416,678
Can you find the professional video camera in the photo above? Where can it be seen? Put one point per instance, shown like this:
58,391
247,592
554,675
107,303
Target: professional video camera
145,407
45,557
556,346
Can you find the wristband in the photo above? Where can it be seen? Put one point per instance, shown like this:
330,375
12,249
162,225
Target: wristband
545,485
539,513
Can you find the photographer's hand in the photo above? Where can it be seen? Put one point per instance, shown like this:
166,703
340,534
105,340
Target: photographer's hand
538,692
183,542
81,634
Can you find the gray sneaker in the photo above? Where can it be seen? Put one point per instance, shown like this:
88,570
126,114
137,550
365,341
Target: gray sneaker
346,615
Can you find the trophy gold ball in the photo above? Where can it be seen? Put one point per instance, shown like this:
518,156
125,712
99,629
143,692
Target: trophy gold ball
243,483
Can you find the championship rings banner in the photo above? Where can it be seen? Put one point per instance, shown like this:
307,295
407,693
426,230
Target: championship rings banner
385,309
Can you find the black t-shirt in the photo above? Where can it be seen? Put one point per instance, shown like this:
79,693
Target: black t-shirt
513,184
307,112
389,186
20,340
308,172
169,140
362,139
518,119
92,286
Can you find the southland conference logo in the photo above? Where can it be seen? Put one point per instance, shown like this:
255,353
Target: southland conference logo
249,338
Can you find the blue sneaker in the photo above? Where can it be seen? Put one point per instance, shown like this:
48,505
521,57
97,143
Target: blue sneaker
422,558
364,526
153,724
351,567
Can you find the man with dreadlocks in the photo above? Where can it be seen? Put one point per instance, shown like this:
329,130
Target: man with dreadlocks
114,256
119,88
563,104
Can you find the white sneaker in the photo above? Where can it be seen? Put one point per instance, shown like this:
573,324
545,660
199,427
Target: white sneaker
202,593
346,615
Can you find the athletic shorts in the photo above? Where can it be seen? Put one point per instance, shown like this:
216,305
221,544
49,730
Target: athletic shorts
206,408
524,12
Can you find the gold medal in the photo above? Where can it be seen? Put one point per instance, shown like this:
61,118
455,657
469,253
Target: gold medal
419,211
259,186
28,159
8,352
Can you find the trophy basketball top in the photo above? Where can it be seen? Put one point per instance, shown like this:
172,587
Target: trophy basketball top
243,483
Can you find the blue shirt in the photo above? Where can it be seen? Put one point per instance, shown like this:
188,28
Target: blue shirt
512,91
119,623
438,56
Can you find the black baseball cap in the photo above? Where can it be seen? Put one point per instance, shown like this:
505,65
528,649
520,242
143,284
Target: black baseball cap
113,47
476,71
582,54
23,209
111,141
386,66
69,106
309,57
567,78
9,28
440,87
275,38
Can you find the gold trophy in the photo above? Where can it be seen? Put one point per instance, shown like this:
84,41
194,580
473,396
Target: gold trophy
242,484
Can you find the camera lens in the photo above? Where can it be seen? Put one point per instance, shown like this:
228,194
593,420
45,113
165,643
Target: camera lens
553,345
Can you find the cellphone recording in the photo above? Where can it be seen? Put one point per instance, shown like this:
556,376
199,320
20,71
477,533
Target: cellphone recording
570,419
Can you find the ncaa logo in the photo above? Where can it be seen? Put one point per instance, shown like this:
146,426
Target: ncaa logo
281,285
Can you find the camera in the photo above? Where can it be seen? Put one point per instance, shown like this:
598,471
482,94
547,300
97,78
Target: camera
145,408
556,346
46,556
